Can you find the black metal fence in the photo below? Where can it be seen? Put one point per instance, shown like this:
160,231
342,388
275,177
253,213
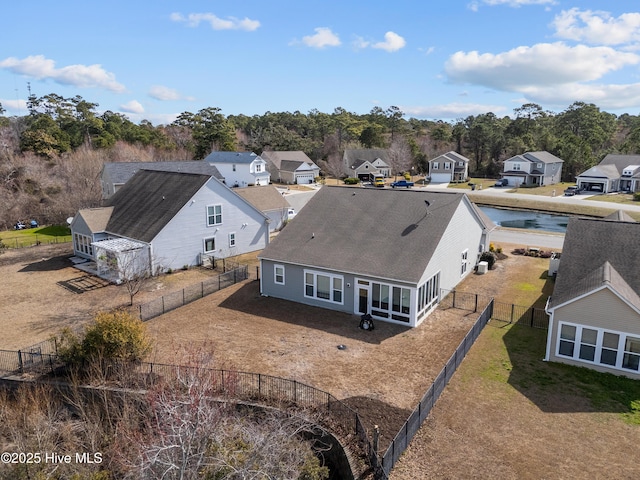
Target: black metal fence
33,240
502,311
39,358
418,416
191,293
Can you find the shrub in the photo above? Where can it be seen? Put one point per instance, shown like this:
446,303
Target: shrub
488,257
636,196
114,335
492,247
351,181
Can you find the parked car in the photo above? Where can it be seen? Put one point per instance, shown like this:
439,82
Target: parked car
33,224
291,213
402,183
503,182
19,226
571,191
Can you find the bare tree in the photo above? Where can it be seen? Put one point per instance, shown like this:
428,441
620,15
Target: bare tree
333,166
400,156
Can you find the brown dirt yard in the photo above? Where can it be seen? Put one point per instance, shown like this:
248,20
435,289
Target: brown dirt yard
482,426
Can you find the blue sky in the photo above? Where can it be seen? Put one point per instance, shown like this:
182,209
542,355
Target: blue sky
435,60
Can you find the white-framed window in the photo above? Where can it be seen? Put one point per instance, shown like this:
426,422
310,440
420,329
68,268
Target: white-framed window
436,165
464,259
516,166
461,164
82,243
428,294
232,239
323,286
390,301
447,165
538,165
278,274
258,167
209,244
597,346
214,215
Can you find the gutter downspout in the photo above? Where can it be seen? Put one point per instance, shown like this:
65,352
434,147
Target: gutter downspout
549,331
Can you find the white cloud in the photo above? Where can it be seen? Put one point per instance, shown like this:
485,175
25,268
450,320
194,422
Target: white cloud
517,3
15,105
39,67
323,37
217,23
597,28
542,65
132,107
392,42
451,110
607,97
160,92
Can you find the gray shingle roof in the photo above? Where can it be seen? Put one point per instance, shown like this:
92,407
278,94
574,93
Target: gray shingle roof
602,171
352,156
598,253
450,156
542,157
121,172
387,233
230,157
620,216
145,204
290,165
277,157
620,161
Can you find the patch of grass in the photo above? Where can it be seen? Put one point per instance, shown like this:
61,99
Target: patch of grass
533,204
479,182
35,236
545,190
614,198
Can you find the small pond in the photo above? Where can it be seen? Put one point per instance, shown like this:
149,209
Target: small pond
527,219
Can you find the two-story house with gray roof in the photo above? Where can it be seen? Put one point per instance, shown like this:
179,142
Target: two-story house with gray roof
450,167
115,174
167,220
614,173
359,163
595,306
240,169
392,264
291,167
533,169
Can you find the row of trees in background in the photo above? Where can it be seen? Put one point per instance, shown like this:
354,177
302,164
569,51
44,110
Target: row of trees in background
69,139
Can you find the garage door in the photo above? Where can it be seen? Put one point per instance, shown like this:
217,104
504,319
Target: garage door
440,177
304,178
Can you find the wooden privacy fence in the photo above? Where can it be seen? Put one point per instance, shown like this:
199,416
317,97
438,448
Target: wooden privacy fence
191,293
418,416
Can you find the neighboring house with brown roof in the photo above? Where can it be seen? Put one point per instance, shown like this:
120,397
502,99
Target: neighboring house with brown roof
449,167
167,220
614,173
291,167
359,163
532,168
595,306
269,201
392,264
115,174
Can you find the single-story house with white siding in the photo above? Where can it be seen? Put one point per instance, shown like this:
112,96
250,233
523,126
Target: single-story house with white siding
594,311
387,253
172,219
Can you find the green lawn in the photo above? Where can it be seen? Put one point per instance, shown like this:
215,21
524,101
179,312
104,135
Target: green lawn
36,236
545,191
478,182
615,198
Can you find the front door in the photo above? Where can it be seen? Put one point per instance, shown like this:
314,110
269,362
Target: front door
363,299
